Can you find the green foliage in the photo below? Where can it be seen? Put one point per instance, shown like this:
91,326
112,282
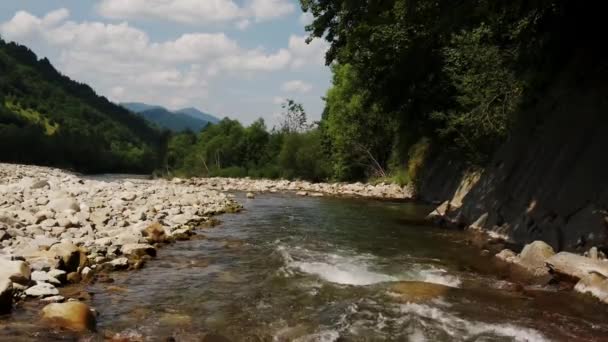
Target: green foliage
456,72
228,149
360,134
46,118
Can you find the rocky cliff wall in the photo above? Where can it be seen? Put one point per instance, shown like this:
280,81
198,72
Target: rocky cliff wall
548,182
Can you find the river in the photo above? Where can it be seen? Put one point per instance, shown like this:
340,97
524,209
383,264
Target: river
323,269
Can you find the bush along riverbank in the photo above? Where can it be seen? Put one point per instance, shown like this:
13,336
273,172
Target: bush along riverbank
57,228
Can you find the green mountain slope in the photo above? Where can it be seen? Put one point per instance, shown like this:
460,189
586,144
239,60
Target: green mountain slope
47,118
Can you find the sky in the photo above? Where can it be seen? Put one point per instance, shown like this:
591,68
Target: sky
235,58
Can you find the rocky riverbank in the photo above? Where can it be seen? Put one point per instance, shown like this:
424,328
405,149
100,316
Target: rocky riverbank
58,228
303,188
538,263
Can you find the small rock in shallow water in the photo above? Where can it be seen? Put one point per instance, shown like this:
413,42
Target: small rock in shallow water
414,291
53,299
74,316
6,296
138,249
42,290
250,195
595,284
15,271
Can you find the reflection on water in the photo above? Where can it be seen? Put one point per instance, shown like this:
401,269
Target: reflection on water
319,269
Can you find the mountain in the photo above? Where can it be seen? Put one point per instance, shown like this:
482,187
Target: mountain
178,121
138,107
46,118
175,122
195,113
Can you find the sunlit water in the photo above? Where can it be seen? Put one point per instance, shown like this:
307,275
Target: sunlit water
319,269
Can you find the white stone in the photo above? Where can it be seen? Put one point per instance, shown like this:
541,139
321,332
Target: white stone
42,290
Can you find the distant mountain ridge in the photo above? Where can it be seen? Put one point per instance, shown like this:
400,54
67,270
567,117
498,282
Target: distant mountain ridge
177,121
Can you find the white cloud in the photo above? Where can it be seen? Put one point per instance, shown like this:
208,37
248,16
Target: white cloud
243,24
296,86
306,54
196,11
125,64
182,11
269,9
277,100
306,18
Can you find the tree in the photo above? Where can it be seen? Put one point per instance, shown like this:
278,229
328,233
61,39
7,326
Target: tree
293,117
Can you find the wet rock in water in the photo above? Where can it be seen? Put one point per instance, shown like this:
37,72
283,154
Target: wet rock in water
302,193
71,255
182,234
6,296
138,249
121,263
16,271
75,316
53,299
480,223
214,338
42,290
576,266
250,195
175,320
233,244
534,256
439,212
155,233
414,291
60,275
74,277
507,255
41,276
594,284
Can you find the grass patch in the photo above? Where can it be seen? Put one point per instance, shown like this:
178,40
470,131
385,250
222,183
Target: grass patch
33,116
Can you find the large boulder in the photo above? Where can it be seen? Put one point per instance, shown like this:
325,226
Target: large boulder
71,255
75,316
576,266
534,256
6,296
15,271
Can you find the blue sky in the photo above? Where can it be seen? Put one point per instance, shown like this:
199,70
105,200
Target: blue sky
236,58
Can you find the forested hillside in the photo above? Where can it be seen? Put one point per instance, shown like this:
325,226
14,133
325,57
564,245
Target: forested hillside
46,118
416,78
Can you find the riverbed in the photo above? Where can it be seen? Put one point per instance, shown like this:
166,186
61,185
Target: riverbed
293,268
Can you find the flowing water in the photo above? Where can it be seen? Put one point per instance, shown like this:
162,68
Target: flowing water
321,269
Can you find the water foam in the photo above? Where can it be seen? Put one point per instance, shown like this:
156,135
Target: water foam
343,273
356,269
439,276
463,329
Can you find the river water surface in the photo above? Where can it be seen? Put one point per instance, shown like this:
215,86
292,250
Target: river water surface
320,269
